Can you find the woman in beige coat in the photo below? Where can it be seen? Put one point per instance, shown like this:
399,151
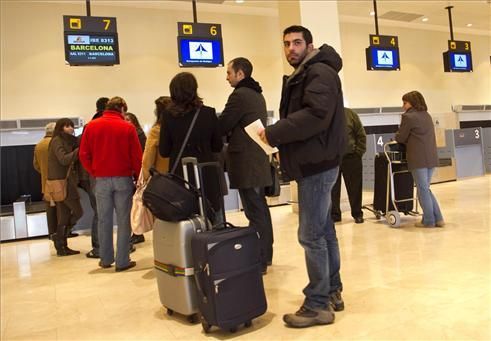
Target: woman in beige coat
151,155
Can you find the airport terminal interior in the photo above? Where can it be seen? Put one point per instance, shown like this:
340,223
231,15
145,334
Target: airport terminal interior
400,282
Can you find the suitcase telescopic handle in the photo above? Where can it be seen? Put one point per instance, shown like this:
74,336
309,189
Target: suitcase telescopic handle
194,162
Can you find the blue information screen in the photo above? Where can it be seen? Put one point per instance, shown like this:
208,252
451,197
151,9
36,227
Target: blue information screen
384,58
200,52
460,61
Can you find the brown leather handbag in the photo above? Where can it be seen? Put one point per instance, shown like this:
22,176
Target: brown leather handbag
56,190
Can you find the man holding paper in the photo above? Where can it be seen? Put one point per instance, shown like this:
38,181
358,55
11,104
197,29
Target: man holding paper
247,163
311,137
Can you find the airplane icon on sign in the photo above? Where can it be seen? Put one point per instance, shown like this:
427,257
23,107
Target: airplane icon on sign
201,49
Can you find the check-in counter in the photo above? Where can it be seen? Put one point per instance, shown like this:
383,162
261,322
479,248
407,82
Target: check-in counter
467,149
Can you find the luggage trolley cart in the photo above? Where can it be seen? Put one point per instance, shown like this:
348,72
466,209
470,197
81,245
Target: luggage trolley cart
394,186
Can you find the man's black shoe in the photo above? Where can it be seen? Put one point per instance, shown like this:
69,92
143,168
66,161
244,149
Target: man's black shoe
130,265
359,220
137,238
104,266
92,254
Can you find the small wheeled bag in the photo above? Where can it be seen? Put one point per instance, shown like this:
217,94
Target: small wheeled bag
227,270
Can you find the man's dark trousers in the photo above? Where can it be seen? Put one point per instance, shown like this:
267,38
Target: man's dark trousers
257,212
352,172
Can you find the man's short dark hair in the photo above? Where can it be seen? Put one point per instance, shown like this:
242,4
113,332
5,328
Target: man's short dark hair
243,64
307,36
101,103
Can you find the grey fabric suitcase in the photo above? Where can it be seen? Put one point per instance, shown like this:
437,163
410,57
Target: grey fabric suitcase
173,263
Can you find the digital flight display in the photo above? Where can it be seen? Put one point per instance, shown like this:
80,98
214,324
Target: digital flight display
200,52
382,58
91,49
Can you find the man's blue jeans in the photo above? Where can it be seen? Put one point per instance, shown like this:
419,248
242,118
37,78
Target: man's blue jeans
114,193
317,235
431,210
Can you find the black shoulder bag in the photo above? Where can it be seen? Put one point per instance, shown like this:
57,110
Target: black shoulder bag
168,196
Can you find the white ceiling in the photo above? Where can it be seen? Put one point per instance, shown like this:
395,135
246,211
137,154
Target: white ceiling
477,13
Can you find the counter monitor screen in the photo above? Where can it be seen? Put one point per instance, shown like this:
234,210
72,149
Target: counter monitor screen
460,61
382,58
200,52
91,49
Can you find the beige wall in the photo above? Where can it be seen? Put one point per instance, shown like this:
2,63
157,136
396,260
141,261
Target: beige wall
421,69
35,82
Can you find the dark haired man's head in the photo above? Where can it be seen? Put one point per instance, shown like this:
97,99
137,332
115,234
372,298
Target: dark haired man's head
238,69
101,104
297,44
117,104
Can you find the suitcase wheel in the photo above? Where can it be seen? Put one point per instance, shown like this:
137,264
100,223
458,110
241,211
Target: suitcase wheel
170,312
193,318
378,216
206,326
233,330
394,218
248,324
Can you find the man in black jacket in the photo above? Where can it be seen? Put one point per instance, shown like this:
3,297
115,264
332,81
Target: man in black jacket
351,169
247,164
311,137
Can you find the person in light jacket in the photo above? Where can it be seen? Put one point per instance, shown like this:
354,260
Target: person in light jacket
418,134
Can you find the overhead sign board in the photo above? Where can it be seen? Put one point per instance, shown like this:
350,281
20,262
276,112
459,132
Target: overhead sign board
199,44
90,40
383,53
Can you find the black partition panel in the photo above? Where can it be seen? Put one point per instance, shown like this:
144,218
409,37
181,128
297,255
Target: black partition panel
475,124
18,174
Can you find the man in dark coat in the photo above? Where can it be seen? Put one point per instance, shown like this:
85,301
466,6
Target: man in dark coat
311,137
248,166
351,169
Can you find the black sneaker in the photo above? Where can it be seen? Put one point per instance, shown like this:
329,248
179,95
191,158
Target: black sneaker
336,301
306,317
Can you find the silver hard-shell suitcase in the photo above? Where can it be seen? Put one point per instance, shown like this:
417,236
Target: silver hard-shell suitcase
173,261
174,265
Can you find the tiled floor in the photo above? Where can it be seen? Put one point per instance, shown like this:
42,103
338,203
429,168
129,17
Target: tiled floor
406,283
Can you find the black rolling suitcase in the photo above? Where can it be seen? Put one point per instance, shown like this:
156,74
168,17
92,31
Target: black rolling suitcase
403,185
228,274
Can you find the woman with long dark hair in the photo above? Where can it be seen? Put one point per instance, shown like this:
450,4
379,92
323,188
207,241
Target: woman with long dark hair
63,163
204,139
130,117
151,157
417,132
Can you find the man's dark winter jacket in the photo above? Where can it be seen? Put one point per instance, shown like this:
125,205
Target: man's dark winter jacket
247,164
311,132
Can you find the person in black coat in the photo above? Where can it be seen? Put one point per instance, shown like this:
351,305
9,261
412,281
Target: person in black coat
248,166
204,139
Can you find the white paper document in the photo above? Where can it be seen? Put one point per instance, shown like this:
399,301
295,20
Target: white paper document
253,131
